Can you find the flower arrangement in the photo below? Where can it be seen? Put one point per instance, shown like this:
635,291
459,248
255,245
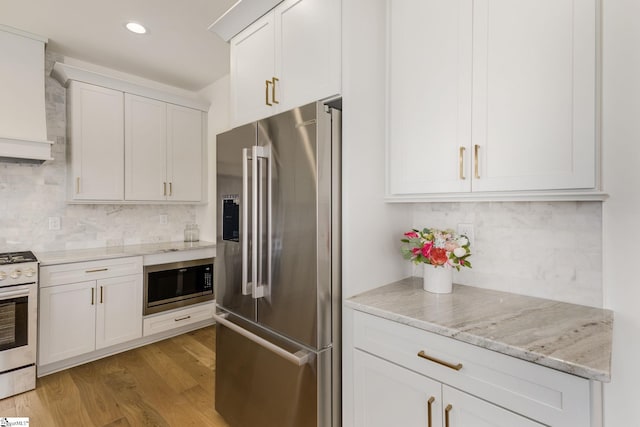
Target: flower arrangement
436,247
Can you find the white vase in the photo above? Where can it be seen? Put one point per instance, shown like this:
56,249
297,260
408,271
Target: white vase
438,280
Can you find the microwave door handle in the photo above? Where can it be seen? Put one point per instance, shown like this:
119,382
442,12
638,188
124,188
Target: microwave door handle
246,286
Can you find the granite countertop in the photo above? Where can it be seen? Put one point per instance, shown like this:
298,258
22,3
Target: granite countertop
571,338
80,255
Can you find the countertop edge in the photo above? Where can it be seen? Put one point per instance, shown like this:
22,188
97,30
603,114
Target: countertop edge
483,342
47,258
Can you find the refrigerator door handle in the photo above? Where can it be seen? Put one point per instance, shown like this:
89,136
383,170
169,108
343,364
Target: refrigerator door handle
298,358
246,286
260,284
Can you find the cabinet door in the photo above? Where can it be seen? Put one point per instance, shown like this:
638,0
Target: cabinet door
184,153
119,310
469,411
307,51
145,148
388,395
252,64
67,321
96,143
534,89
429,96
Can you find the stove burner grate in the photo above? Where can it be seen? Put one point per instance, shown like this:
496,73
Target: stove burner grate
17,257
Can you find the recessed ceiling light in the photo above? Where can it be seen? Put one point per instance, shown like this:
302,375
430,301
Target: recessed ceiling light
134,27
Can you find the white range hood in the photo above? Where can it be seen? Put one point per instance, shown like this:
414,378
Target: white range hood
23,125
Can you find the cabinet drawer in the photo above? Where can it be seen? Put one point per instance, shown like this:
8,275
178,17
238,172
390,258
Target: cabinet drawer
60,274
175,319
552,397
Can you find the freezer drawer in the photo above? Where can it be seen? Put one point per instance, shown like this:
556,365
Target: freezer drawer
257,387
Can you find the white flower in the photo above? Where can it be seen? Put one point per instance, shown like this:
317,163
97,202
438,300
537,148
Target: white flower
459,252
463,241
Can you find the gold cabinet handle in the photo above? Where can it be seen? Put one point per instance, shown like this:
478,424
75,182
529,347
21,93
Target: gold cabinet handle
429,404
273,90
93,291
164,188
101,294
446,415
476,174
439,361
78,185
461,162
171,189
95,270
266,92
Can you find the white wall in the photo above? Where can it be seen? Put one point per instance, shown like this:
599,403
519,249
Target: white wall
371,228
621,213
218,121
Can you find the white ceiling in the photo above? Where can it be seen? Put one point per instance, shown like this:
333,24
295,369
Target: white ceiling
178,50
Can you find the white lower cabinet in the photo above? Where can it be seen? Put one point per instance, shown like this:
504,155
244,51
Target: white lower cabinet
163,322
387,394
78,318
404,376
118,310
464,410
67,321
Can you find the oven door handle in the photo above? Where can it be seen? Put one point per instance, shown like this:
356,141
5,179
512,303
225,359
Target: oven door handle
20,292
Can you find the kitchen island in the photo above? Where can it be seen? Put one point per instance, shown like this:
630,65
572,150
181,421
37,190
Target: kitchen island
483,354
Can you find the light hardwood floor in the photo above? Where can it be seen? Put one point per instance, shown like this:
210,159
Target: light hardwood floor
169,383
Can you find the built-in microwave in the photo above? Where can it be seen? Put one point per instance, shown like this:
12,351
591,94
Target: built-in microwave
174,285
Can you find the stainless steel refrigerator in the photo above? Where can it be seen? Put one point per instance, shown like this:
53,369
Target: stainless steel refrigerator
277,270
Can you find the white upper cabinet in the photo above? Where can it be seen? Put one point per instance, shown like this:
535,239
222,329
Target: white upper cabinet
96,150
145,143
308,49
252,66
130,143
164,156
429,94
287,58
185,136
491,95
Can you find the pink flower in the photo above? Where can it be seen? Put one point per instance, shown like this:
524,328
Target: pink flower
438,256
426,249
450,246
415,251
411,234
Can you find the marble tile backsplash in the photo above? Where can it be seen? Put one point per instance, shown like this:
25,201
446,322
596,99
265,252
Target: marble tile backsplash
544,249
30,194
